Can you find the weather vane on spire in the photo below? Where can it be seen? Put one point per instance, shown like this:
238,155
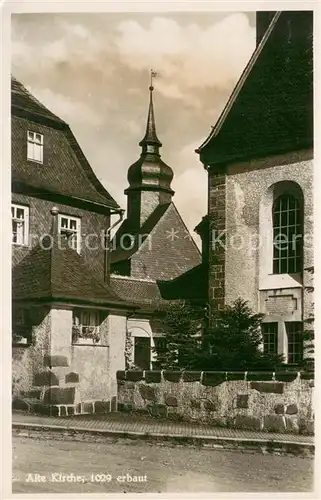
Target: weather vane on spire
153,74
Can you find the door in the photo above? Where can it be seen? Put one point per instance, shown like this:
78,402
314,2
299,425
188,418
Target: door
142,353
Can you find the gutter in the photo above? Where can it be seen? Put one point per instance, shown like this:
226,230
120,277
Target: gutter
21,186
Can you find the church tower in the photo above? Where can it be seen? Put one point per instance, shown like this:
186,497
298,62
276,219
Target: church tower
149,177
153,242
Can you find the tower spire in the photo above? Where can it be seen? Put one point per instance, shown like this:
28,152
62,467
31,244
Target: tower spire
149,177
150,143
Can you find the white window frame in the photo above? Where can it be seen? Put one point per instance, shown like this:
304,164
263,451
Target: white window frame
63,230
88,322
24,241
34,146
283,256
268,280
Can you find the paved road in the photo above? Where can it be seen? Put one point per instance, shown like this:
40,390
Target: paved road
113,465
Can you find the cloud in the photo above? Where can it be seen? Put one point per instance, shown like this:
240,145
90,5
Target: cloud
190,195
190,186
93,71
188,57
67,108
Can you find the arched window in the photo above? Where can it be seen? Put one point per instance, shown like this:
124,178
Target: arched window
287,235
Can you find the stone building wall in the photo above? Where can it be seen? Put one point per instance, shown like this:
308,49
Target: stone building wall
241,198
217,227
53,360
28,360
248,261
280,402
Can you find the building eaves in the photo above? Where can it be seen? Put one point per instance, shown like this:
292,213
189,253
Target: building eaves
57,272
141,292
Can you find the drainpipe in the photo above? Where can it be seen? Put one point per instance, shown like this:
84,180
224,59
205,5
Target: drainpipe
107,242
54,234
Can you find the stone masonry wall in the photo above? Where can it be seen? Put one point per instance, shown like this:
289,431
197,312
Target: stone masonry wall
61,377
247,262
217,226
28,360
279,402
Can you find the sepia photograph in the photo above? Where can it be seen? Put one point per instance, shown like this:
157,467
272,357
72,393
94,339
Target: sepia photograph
162,212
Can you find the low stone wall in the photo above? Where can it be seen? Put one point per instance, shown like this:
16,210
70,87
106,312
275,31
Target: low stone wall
273,402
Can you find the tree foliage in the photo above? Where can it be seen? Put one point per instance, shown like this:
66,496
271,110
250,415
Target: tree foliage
234,341
181,322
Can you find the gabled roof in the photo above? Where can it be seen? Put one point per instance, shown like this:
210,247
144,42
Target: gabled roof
163,247
271,108
57,272
23,99
120,254
70,176
192,285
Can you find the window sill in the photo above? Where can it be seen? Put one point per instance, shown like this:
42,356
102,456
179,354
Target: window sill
81,344
35,161
21,344
24,245
277,281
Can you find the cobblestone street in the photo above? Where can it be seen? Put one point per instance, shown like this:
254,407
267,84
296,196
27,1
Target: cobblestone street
119,465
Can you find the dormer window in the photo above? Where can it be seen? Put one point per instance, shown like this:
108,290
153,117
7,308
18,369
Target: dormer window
35,147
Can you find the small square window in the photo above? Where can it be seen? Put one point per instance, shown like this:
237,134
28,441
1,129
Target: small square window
69,228
20,224
35,147
21,326
86,326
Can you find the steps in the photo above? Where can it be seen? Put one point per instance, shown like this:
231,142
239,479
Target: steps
38,407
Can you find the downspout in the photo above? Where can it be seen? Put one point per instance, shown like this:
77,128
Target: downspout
208,323
54,233
107,242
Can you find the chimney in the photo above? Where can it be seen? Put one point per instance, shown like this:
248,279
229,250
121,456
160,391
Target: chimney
263,20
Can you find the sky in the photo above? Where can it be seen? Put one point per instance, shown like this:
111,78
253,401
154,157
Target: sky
93,71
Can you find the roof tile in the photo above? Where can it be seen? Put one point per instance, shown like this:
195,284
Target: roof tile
271,108
192,285
120,254
139,291
53,271
66,170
